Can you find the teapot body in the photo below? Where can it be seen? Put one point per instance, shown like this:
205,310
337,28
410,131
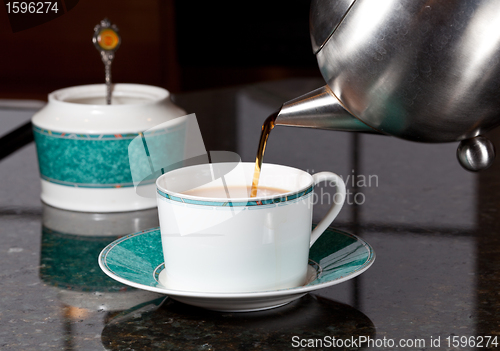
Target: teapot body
418,70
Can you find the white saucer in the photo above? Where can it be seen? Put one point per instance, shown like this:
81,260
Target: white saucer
137,260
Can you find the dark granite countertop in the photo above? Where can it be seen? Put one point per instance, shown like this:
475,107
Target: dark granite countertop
434,228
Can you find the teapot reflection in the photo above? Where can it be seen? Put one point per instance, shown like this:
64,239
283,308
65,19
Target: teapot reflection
168,324
70,245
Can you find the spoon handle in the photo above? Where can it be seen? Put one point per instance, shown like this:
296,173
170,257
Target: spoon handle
107,40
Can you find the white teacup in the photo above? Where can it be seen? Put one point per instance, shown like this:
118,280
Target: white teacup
242,244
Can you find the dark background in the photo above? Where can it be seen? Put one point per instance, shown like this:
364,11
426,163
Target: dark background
179,45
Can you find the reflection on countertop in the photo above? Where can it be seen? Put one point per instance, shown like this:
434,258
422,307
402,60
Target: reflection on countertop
165,324
433,226
71,242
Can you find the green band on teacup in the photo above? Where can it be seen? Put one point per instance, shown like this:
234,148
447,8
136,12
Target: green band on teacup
237,203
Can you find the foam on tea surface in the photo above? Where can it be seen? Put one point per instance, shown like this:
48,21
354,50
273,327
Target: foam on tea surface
234,192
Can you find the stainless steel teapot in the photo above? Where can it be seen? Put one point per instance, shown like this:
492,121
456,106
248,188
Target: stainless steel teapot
420,70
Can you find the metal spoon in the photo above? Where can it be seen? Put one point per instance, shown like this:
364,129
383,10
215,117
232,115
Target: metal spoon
107,40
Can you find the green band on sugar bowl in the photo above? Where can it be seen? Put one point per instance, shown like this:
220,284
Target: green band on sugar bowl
100,160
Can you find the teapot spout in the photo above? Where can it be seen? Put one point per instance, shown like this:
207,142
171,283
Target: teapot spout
322,110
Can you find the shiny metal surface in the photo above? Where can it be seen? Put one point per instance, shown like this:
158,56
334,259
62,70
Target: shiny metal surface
319,109
476,154
324,17
420,70
107,54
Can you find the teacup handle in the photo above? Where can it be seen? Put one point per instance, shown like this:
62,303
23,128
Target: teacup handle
336,207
